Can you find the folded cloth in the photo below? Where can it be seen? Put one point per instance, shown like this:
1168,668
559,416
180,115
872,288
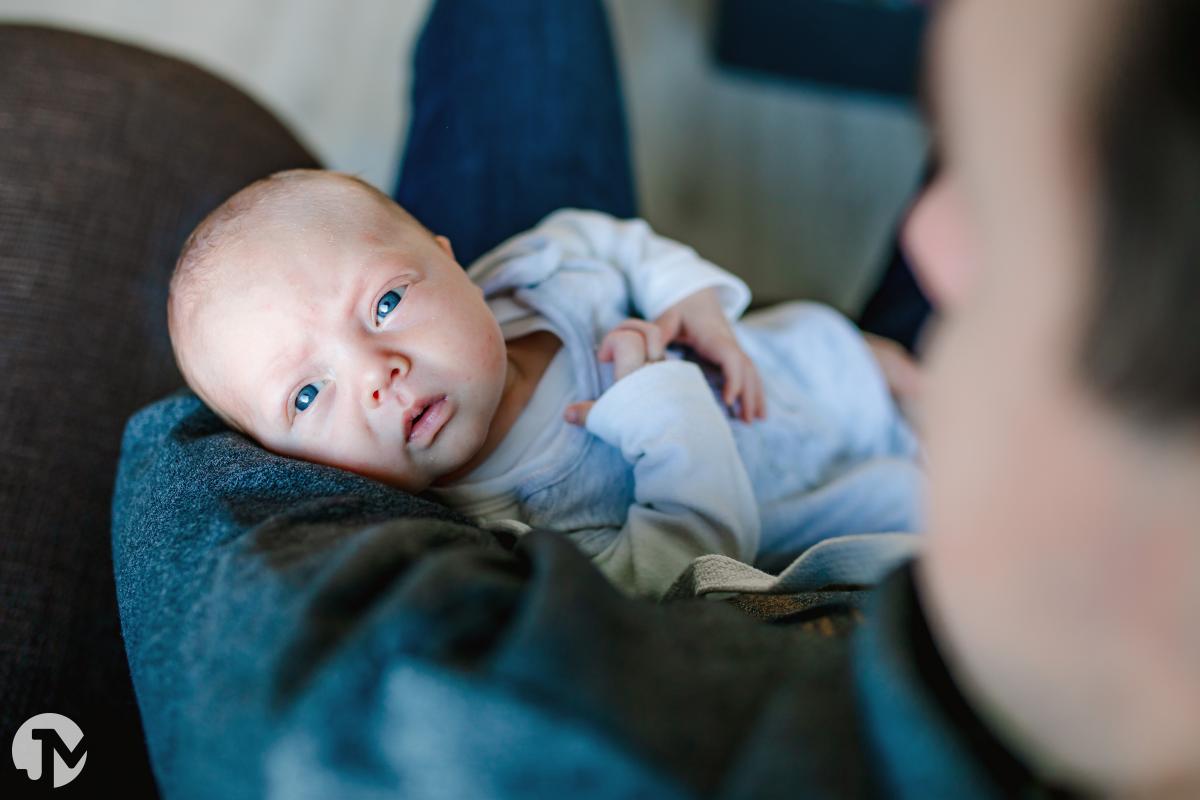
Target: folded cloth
856,560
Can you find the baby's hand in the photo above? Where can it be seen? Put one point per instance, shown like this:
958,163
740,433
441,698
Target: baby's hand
902,373
698,321
631,344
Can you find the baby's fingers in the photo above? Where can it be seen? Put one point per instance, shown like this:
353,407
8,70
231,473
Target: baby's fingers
753,399
577,413
762,395
654,344
625,348
733,368
733,381
743,382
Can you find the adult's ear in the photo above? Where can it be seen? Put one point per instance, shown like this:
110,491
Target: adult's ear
444,243
938,241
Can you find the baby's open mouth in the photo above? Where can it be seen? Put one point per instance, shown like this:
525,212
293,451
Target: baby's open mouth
428,420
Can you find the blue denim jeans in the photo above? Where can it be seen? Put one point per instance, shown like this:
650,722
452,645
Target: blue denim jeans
516,112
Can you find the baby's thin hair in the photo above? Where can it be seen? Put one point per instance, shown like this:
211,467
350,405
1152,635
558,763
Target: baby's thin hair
195,270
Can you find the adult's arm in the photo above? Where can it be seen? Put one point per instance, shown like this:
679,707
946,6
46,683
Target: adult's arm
295,630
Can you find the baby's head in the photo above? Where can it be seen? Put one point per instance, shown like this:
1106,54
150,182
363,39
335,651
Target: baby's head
316,316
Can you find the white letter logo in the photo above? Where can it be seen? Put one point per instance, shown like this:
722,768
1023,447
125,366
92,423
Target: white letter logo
49,745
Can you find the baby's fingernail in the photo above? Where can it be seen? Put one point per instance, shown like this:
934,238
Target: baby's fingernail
572,415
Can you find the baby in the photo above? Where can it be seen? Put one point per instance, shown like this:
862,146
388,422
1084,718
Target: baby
316,316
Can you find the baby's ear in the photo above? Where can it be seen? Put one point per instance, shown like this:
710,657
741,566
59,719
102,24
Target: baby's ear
444,243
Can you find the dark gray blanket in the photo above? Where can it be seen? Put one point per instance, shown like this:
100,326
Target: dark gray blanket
299,631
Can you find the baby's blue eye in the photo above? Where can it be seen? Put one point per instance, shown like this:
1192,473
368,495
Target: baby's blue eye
306,396
388,302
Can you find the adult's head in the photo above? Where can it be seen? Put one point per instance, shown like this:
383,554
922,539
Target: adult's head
316,316
1063,241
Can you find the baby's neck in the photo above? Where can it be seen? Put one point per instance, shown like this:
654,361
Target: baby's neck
528,356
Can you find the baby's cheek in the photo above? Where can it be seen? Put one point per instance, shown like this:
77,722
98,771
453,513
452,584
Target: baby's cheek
316,455
379,460
499,353
488,355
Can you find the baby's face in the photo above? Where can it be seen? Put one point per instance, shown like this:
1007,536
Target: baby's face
331,339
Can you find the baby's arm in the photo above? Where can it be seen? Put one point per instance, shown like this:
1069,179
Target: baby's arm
692,494
691,300
660,271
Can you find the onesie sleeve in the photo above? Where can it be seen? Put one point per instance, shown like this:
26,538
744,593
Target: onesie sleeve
659,271
693,495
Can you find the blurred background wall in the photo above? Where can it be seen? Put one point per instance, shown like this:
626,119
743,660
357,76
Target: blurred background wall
794,186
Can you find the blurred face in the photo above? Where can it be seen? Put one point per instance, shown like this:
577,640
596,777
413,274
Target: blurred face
356,342
1034,510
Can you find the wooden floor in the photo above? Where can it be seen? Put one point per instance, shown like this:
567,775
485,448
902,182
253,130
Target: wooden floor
793,187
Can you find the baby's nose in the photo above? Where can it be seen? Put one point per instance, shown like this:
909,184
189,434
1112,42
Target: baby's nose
380,381
395,372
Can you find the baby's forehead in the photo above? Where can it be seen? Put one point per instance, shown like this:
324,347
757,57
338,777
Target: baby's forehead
273,296
302,243
318,231
237,337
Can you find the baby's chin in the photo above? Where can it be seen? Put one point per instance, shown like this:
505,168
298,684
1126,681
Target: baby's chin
442,472
410,482
463,465
442,464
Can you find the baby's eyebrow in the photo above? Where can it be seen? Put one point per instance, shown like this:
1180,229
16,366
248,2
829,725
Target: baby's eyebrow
287,359
354,296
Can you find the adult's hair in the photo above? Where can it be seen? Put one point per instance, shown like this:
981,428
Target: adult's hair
1142,343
